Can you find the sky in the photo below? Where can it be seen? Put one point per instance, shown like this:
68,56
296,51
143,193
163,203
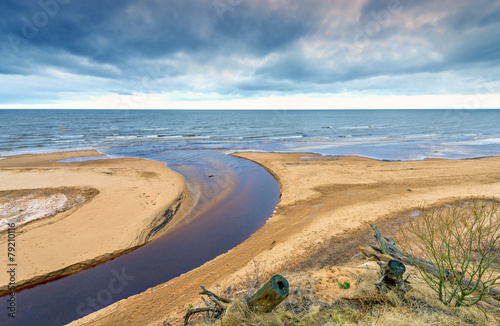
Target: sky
233,54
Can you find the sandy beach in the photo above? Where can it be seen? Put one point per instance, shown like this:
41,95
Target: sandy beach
70,216
324,200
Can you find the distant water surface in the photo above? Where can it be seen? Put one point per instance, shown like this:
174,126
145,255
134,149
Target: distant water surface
380,134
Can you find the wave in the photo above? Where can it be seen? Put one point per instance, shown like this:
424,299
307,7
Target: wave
154,129
153,136
58,141
168,136
354,127
272,137
286,137
68,136
320,138
422,136
486,141
358,127
122,137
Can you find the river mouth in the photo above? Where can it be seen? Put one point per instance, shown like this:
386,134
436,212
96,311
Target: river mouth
234,198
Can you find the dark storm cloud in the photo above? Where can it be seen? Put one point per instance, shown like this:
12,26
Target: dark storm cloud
112,31
396,38
109,31
288,46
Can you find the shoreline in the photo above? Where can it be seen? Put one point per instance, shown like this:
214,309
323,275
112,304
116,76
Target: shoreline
323,198
135,202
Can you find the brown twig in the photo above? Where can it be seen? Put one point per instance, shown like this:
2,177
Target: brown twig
387,246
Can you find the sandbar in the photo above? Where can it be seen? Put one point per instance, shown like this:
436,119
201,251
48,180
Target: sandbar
83,212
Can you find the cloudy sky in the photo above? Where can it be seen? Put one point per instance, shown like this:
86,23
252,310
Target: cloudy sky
250,53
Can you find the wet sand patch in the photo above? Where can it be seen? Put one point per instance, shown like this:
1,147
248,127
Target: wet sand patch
27,205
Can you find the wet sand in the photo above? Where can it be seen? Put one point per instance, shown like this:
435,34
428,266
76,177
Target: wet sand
322,198
123,206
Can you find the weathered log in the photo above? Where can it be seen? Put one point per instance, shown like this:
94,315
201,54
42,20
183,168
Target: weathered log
392,277
219,301
394,268
391,271
387,246
266,299
217,307
270,295
193,311
370,252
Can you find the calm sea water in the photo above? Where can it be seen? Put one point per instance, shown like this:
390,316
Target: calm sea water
380,134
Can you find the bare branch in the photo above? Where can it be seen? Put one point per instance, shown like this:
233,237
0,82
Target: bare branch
193,311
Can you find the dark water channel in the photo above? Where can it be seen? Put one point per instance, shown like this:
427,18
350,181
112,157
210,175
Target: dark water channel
216,224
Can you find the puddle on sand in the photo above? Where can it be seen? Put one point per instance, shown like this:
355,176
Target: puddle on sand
89,158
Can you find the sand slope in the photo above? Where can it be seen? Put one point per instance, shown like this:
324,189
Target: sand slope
322,197
126,199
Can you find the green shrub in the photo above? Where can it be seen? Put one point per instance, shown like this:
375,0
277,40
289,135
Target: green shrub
463,244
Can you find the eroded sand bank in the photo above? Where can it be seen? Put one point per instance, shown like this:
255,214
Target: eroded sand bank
322,197
92,210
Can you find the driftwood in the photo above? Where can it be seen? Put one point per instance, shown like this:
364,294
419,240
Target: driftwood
392,277
268,297
386,246
216,308
391,272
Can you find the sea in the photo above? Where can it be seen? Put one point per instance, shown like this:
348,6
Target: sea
378,134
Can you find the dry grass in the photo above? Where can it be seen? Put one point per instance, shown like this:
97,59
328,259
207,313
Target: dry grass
365,306
256,274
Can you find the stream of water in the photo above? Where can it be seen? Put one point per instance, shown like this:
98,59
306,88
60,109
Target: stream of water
215,225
